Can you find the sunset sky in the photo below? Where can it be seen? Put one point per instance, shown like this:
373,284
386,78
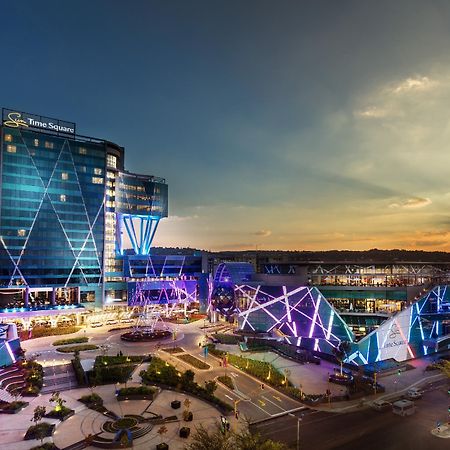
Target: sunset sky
277,124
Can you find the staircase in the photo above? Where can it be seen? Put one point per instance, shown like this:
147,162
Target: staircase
59,378
12,378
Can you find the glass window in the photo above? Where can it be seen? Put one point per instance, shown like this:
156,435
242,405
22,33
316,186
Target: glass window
62,198
36,142
82,151
64,176
97,180
83,169
49,144
8,138
11,148
111,161
97,171
21,233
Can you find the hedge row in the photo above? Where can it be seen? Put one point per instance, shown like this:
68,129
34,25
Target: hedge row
77,340
75,348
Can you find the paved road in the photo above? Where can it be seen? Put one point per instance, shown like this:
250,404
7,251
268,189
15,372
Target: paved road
367,429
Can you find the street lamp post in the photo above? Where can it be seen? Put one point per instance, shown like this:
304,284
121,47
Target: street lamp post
298,428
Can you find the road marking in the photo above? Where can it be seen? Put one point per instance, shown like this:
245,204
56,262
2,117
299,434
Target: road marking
231,398
276,398
261,403
235,375
263,410
273,403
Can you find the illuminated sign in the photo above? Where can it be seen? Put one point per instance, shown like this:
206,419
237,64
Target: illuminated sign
15,119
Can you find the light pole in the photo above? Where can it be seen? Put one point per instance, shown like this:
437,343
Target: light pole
298,428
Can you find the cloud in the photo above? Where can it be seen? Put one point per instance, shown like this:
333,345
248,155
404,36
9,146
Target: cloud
417,83
435,243
182,218
372,112
412,203
263,233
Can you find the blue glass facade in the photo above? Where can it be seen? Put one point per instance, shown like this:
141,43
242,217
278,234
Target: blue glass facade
52,216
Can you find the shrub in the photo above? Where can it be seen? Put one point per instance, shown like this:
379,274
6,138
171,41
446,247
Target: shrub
193,361
228,338
173,350
46,446
226,380
79,371
59,414
91,399
137,390
74,348
13,406
77,340
38,332
39,431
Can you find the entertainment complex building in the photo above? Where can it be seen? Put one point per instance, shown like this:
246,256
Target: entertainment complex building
76,228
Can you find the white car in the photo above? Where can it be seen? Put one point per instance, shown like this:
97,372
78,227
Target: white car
127,321
111,322
414,394
96,324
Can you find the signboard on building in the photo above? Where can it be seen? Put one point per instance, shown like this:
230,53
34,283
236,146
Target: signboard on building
17,119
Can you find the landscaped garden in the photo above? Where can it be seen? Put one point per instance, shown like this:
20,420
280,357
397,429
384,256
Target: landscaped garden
77,348
111,369
137,393
34,378
193,361
165,374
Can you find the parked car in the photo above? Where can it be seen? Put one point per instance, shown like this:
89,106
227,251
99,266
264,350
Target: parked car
381,405
414,394
96,324
112,322
340,379
126,320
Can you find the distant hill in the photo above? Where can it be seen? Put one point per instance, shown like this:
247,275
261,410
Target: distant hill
373,255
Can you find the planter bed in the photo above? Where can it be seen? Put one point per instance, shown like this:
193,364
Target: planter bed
13,407
49,428
77,348
62,415
193,361
46,446
77,340
173,350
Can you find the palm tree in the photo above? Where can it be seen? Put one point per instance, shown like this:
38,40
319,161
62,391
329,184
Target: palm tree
340,352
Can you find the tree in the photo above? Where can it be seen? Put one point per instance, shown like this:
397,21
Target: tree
187,379
210,387
38,415
210,438
59,402
248,441
340,352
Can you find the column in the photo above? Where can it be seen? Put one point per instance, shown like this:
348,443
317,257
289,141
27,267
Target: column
53,299
26,299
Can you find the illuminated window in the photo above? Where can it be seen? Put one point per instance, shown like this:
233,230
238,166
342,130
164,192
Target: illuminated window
62,198
82,151
64,176
83,169
97,180
111,161
49,144
97,171
21,233
11,148
8,138
36,142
